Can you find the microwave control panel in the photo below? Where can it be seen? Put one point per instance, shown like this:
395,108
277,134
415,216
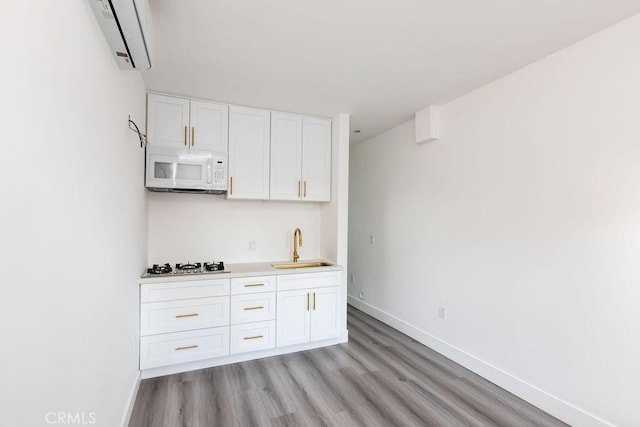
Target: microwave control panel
219,173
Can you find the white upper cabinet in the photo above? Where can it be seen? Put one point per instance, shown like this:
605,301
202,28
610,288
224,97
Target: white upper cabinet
209,126
272,155
249,130
167,121
316,159
300,158
286,156
183,123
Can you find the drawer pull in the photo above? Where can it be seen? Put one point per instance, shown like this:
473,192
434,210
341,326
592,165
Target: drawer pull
253,285
180,316
257,307
255,337
189,347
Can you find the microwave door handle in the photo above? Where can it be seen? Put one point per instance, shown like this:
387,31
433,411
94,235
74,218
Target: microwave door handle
209,167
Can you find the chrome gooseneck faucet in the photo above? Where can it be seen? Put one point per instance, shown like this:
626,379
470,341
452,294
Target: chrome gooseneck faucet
298,234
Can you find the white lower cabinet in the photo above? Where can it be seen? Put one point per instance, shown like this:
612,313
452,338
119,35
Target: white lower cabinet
153,292
309,314
183,322
326,316
197,320
183,315
253,307
293,318
253,336
182,347
253,313
252,285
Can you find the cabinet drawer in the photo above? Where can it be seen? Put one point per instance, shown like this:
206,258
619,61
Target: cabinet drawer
291,282
182,347
152,292
174,316
249,285
253,307
253,336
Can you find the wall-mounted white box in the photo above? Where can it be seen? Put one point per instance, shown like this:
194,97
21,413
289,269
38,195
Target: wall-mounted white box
427,124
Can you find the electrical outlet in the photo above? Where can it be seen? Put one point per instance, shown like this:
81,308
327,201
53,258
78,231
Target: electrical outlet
252,245
372,239
442,312
353,278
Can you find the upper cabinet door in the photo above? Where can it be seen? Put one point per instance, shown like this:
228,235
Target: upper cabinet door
249,130
209,126
286,156
316,159
168,121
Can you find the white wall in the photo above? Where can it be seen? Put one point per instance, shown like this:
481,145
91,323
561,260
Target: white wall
198,228
72,222
524,221
335,214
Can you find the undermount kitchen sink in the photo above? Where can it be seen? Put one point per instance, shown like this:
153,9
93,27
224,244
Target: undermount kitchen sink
301,265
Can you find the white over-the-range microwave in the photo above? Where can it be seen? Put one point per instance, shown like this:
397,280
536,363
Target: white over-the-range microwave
187,171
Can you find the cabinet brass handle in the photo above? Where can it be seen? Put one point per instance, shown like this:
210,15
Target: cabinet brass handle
185,136
314,301
231,185
307,301
298,188
257,307
193,136
255,337
187,347
251,285
180,316
305,189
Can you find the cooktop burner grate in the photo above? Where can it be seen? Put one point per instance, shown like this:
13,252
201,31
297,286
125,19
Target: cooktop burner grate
159,269
188,266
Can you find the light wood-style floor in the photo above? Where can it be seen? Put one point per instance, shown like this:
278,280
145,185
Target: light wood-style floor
380,377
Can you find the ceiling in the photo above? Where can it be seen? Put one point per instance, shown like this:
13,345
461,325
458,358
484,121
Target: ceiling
378,60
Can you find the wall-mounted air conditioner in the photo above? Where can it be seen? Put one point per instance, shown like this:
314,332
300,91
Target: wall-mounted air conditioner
127,26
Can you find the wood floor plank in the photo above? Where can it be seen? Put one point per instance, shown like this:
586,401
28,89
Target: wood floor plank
437,382
381,377
426,383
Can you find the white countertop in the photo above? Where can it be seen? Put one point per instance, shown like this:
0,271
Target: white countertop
244,270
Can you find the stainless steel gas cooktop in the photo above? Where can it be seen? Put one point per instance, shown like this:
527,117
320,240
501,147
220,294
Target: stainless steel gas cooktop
186,269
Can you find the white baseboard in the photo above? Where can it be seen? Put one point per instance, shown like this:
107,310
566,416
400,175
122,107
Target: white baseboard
549,403
132,400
